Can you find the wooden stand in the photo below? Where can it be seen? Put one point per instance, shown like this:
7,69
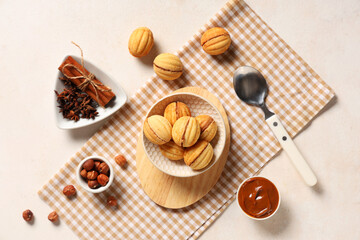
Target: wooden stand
175,192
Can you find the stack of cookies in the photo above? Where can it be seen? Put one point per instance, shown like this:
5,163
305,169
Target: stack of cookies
181,136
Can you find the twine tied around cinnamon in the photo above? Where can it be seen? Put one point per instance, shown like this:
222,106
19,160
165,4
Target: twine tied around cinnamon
89,78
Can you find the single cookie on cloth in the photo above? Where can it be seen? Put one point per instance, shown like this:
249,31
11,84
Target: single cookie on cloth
157,129
172,151
176,110
199,156
186,131
215,41
168,66
140,42
208,127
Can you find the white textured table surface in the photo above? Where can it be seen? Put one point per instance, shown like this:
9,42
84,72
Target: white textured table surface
36,35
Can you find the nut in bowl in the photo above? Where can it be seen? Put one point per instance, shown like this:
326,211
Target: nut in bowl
95,174
167,158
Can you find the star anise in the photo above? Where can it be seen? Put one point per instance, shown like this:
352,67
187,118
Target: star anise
75,104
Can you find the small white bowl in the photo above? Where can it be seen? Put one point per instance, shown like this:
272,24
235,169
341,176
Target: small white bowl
112,107
242,210
84,184
198,106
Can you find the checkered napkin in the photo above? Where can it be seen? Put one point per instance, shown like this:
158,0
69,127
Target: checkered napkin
297,94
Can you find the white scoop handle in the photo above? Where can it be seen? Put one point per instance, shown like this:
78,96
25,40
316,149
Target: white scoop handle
290,148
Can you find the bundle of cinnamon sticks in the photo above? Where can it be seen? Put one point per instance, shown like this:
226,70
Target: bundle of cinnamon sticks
86,81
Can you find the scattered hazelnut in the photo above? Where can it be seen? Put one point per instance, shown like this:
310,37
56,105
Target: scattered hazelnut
83,173
103,179
28,215
97,164
93,184
120,160
53,217
92,175
103,168
69,190
88,165
111,201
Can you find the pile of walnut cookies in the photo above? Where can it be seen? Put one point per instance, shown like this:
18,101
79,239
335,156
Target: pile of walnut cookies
181,136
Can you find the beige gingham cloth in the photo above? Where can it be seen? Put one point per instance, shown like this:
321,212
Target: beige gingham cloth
297,94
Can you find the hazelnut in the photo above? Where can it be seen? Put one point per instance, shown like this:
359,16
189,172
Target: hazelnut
120,160
215,41
103,179
172,151
111,201
93,184
208,127
69,191
176,110
53,217
157,129
83,173
88,165
168,66
186,131
92,175
96,165
140,42
199,155
104,168
27,215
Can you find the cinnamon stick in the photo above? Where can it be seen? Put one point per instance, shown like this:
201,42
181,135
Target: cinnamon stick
101,97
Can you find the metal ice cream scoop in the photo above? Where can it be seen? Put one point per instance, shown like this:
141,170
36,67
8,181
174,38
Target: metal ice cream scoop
251,87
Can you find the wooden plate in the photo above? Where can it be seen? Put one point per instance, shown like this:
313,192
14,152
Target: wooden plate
175,192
